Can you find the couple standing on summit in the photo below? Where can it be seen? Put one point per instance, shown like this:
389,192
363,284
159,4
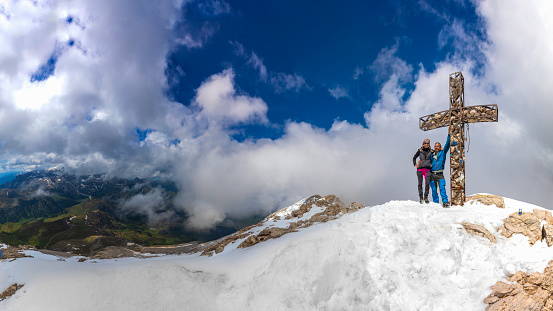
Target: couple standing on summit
431,166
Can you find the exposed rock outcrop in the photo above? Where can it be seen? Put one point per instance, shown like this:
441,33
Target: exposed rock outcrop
332,208
10,291
113,252
16,251
487,199
544,215
264,235
526,292
524,223
547,234
537,226
479,231
315,209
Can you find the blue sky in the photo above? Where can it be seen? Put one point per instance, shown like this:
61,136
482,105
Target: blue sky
331,46
252,105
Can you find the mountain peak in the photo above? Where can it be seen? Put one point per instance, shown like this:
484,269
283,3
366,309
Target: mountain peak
303,214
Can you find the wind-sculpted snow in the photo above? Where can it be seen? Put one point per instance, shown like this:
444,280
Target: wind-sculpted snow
397,256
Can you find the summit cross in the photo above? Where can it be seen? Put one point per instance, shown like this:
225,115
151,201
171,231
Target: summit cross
455,118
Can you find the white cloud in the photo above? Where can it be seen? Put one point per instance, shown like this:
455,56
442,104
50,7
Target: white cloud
286,82
257,63
427,7
151,204
197,39
112,83
357,73
33,95
219,102
40,192
280,81
338,92
387,64
519,68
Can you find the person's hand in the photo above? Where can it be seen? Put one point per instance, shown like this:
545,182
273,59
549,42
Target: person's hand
417,165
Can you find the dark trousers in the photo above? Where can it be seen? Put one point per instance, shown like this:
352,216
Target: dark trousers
426,175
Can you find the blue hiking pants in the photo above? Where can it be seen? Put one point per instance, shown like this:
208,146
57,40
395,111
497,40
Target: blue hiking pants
443,193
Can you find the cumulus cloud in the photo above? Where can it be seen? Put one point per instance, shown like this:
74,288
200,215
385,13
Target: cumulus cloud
101,89
109,86
219,102
516,79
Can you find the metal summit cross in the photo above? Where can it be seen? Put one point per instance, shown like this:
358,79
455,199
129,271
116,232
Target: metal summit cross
455,118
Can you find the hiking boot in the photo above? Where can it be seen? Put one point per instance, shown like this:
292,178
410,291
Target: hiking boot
446,204
426,200
421,201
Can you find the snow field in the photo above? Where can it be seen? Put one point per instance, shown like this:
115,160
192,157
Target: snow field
397,256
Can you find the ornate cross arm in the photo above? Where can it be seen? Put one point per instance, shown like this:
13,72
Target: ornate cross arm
484,113
435,120
472,114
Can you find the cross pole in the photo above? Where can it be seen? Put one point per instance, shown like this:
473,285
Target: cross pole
455,118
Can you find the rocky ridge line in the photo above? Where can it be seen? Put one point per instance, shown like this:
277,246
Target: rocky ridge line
287,220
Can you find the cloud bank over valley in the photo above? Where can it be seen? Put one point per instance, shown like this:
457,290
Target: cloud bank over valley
86,86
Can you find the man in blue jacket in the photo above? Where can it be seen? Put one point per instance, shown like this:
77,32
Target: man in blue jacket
437,177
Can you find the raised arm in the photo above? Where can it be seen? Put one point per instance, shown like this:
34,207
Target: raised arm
446,147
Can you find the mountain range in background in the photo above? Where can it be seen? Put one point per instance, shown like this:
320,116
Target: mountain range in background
9,176
84,214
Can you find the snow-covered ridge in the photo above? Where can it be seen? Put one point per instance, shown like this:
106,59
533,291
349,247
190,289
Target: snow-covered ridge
304,213
286,211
